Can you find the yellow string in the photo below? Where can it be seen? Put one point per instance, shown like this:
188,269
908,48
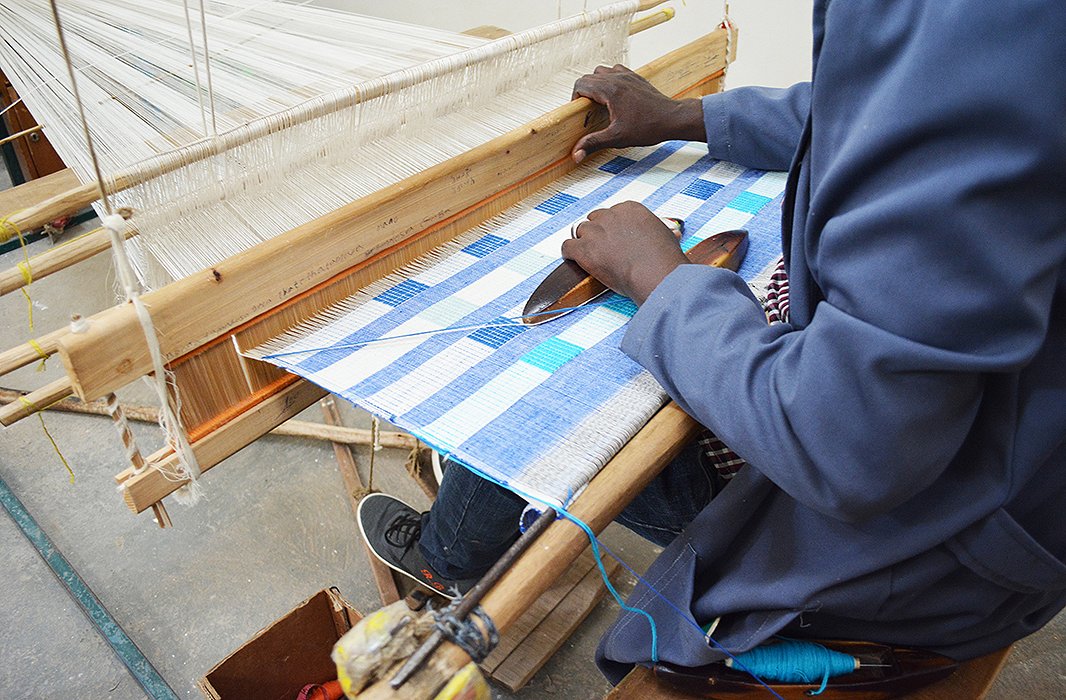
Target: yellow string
40,416
40,351
8,231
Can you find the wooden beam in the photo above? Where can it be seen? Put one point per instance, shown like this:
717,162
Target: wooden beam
290,428
209,304
142,490
607,494
28,195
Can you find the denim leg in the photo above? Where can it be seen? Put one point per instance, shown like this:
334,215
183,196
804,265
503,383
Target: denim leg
472,522
673,498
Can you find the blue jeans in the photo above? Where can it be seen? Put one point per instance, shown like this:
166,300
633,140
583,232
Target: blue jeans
474,521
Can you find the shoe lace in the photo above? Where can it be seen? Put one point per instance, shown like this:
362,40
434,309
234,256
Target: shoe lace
404,531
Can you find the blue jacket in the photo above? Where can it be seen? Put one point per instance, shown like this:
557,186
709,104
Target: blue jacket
906,431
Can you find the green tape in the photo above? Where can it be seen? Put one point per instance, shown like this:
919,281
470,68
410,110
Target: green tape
138,665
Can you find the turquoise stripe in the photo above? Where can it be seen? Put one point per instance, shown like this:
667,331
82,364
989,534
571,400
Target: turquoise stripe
552,354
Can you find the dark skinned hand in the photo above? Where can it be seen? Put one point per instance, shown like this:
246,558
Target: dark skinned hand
626,247
640,115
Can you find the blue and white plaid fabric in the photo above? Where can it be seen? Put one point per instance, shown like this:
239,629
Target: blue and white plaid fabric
538,408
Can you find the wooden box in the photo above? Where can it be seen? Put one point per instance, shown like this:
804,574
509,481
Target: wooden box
285,656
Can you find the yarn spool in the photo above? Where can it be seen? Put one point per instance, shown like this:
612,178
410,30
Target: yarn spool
793,661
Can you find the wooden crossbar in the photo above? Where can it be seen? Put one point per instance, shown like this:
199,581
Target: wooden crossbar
205,306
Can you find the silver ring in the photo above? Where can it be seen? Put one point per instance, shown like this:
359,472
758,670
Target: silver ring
573,227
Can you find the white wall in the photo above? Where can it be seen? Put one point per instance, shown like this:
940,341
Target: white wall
775,35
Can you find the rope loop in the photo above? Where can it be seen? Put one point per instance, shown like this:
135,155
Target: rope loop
465,634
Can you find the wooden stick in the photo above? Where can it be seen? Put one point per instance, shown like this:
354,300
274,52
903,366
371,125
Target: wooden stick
22,355
652,20
354,489
209,304
59,258
24,132
607,494
290,428
82,196
35,401
148,487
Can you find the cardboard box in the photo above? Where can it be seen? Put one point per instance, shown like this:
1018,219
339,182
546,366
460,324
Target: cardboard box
285,656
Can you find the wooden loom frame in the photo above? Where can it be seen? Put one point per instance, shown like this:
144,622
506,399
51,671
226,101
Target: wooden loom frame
315,264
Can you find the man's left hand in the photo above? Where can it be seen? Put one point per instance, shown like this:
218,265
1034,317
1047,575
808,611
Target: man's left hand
627,248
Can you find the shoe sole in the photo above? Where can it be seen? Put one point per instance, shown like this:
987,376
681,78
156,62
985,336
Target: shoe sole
370,550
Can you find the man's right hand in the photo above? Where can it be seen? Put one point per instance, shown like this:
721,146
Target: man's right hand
640,115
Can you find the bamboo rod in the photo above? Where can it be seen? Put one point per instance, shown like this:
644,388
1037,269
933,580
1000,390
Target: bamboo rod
24,132
59,258
22,355
205,306
607,494
291,428
37,400
78,198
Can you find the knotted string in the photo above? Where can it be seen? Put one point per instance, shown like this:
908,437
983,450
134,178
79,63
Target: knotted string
9,230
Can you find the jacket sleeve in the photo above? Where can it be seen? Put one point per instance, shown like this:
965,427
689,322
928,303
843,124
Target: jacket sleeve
756,127
935,234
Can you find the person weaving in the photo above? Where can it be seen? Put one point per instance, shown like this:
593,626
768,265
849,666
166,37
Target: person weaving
904,431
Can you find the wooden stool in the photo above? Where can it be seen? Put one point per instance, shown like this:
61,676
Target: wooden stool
971,681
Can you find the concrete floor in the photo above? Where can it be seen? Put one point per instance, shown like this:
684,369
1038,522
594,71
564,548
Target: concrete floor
274,529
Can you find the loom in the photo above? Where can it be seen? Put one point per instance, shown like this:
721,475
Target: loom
220,169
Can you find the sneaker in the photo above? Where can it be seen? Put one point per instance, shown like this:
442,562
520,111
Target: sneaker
391,529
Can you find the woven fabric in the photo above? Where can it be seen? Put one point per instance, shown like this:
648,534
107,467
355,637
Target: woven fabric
538,408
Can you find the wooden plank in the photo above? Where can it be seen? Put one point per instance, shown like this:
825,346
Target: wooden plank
606,495
542,643
973,679
209,304
144,489
535,614
487,31
32,192
642,683
353,489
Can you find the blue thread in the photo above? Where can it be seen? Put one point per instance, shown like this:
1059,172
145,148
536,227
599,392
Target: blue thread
504,322
796,661
596,544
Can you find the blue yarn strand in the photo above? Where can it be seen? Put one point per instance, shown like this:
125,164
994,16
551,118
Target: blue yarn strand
795,661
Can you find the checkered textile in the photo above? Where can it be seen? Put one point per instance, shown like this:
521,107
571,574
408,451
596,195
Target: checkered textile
538,408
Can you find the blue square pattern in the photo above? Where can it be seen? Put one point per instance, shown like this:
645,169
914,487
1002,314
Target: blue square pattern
701,189
622,305
552,354
485,245
749,202
617,165
556,203
394,296
496,336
